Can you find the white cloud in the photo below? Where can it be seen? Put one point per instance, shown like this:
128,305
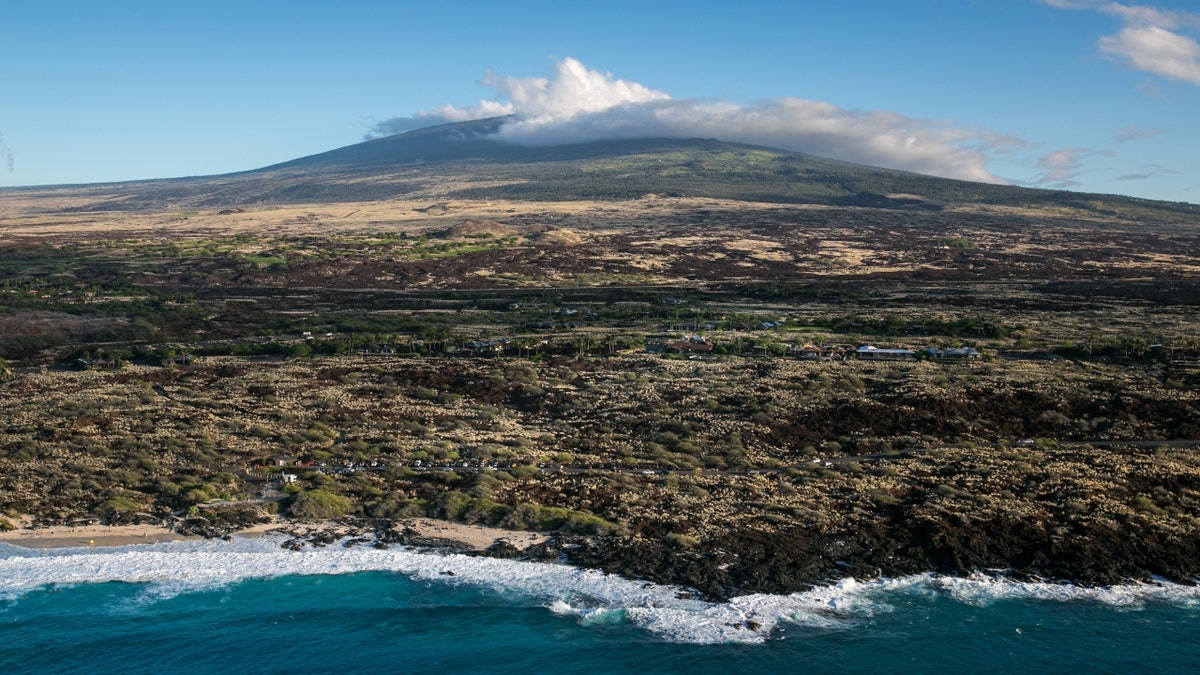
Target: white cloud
1062,167
573,91
579,105
1148,171
1134,132
1141,15
1152,40
448,113
1156,50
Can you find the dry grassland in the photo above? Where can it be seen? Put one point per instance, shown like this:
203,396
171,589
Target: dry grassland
1033,457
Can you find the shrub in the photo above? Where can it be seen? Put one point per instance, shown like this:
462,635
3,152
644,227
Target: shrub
396,506
319,505
120,504
1144,504
959,242
548,519
585,523
681,540
523,471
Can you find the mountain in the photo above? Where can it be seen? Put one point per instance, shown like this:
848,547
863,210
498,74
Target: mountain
456,142
466,160
630,168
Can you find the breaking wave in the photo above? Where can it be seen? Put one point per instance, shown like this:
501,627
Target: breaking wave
589,597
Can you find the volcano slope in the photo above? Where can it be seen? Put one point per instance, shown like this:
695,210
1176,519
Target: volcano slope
608,342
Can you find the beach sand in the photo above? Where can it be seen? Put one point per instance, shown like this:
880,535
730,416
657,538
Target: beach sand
474,536
89,535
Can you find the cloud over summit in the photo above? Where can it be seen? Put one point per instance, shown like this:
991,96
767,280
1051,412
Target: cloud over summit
573,91
578,104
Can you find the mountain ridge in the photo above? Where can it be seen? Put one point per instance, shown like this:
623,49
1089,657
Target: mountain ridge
465,160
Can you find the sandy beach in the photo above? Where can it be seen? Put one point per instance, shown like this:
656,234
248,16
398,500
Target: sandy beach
473,536
90,535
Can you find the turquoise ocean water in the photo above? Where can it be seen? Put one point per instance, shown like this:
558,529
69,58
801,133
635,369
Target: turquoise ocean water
249,606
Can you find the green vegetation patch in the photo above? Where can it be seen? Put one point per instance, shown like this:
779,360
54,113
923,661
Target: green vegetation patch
319,505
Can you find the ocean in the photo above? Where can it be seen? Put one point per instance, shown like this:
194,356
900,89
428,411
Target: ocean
250,606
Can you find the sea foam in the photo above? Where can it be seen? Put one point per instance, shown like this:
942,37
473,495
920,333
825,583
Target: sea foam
588,596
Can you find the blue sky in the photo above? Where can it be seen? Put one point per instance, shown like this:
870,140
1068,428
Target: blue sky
1086,95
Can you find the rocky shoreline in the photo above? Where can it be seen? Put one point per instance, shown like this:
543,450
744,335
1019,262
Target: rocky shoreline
756,562
739,563
796,560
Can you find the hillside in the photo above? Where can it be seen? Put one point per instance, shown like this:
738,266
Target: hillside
464,161
628,169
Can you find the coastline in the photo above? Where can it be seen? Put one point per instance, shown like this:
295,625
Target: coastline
62,536
466,537
669,603
747,565
350,591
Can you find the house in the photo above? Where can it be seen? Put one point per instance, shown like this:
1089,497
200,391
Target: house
961,354
656,344
873,353
487,347
811,352
695,344
99,364
956,354
376,349
179,360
